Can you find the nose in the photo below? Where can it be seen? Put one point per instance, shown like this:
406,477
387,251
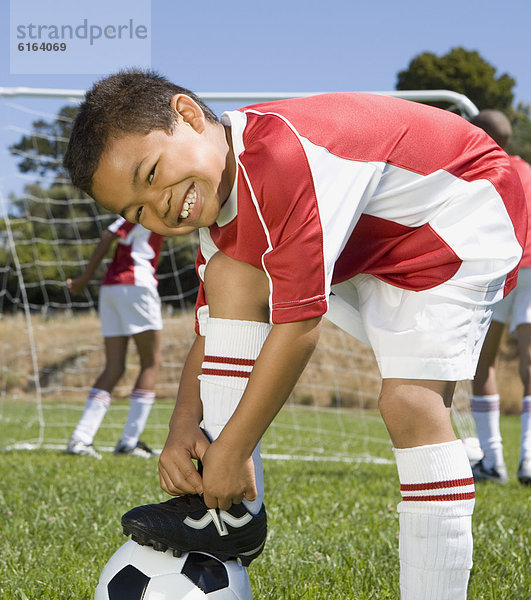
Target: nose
160,202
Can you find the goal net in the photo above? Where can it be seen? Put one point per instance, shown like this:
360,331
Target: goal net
51,349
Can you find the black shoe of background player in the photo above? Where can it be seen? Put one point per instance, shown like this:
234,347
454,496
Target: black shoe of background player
186,524
141,450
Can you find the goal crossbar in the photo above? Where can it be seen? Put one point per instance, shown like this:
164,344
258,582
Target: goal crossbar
462,102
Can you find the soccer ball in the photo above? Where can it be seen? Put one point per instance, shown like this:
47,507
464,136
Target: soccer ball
137,572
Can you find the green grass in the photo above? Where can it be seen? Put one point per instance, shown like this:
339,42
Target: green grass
333,526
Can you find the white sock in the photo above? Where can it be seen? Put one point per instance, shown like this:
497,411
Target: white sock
435,546
139,409
525,419
95,409
486,411
231,347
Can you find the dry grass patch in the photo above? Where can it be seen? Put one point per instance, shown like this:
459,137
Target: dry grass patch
69,356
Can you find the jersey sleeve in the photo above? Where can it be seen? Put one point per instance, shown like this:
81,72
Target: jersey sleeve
278,178
121,227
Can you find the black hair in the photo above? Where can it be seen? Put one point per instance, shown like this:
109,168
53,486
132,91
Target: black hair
130,101
496,124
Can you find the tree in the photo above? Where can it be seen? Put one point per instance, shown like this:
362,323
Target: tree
466,72
43,150
463,71
521,139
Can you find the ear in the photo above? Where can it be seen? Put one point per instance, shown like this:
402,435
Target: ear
189,111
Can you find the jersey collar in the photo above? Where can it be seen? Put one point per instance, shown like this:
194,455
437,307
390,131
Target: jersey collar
236,120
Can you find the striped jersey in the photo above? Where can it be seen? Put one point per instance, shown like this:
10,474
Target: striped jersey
136,256
334,185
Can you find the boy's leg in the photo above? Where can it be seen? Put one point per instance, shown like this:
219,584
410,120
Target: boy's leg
437,489
231,347
485,404
238,303
99,398
524,345
142,396
236,330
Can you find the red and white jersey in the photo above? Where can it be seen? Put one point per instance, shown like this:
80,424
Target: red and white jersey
136,257
334,185
523,169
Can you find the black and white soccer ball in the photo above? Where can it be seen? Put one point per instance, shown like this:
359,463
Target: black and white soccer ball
137,572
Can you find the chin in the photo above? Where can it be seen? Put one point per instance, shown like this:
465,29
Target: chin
183,230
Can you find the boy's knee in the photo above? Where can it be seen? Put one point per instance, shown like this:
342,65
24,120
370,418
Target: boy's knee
236,290
416,412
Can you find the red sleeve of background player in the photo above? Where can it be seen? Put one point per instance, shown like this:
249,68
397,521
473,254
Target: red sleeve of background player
280,183
121,227
523,169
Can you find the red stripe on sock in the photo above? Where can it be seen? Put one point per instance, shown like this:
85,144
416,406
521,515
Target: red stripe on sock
246,362
435,485
226,373
442,498
485,407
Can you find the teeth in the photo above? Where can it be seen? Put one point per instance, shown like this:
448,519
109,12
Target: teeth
189,202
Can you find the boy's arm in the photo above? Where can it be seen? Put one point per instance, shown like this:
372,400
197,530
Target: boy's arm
178,474
77,285
227,476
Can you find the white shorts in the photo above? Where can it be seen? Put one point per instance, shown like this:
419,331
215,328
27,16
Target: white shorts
128,310
414,335
516,307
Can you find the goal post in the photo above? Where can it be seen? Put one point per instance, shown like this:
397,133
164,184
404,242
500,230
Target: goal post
51,348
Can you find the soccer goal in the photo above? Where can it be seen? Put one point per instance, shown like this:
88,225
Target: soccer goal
50,343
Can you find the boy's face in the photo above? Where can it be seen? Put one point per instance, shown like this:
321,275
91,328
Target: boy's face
172,183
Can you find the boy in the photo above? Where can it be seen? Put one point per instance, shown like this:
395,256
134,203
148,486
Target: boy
129,306
402,221
517,308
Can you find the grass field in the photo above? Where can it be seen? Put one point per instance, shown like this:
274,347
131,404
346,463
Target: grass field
333,526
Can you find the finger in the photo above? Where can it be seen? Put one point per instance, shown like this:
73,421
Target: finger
225,504
181,471
210,501
171,480
251,494
166,483
193,479
202,445
170,484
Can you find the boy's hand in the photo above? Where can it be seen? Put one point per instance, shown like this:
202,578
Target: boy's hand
76,286
227,477
178,474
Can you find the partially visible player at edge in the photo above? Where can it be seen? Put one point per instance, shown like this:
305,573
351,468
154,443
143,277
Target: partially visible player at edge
516,308
129,307
402,222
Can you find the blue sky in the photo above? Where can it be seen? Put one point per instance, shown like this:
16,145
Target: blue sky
292,45
303,45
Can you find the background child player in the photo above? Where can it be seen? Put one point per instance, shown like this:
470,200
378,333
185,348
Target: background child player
404,222
516,308
129,306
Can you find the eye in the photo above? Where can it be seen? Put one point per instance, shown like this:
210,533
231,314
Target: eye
138,214
151,175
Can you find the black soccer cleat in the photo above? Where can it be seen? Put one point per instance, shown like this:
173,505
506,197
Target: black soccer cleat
497,474
186,524
141,450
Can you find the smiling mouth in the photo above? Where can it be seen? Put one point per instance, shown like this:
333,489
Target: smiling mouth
188,204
